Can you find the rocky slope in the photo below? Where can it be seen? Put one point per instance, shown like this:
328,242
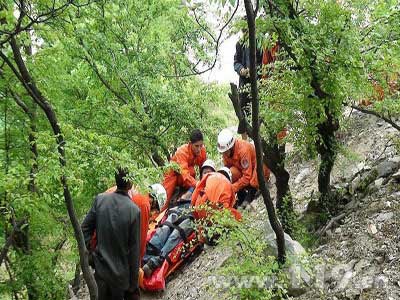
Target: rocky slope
357,256
360,250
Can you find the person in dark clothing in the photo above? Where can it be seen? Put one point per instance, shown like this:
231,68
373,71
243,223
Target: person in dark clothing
241,64
116,220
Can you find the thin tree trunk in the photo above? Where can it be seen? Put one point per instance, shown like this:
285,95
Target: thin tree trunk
27,81
276,226
34,152
11,238
31,113
76,284
12,280
274,158
32,137
6,150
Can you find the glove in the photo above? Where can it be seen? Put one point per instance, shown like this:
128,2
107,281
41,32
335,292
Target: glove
244,72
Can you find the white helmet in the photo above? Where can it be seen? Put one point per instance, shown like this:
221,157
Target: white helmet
226,140
158,193
209,163
226,171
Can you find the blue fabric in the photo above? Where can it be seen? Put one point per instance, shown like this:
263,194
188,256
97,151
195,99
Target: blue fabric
165,239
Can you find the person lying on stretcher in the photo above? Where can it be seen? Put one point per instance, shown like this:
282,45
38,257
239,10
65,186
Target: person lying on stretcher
214,188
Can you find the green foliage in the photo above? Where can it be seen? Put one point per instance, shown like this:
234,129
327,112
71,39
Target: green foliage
330,42
111,70
324,45
251,271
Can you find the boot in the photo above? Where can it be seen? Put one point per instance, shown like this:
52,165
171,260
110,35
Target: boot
148,269
241,196
251,195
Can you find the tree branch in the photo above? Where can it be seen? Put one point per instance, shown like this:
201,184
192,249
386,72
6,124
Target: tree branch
218,39
92,64
16,228
20,103
205,29
41,18
376,114
234,96
282,42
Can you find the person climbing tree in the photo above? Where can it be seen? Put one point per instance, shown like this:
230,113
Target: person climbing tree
241,64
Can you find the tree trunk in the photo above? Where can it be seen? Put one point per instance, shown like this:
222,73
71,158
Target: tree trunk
274,158
276,226
4,199
31,113
12,280
27,81
326,148
326,144
34,153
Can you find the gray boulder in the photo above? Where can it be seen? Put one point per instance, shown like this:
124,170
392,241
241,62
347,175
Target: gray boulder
299,278
387,168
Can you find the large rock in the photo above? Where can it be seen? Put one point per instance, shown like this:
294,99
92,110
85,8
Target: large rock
299,278
384,169
361,182
387,168
340,275
303,174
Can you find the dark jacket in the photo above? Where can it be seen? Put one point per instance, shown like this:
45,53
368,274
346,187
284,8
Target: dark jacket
242,60
116,220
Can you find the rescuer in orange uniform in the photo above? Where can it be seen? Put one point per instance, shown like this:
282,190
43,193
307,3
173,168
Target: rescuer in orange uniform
179,225
215,189
240,157
187,157
207,167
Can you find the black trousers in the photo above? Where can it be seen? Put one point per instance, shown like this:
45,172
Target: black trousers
106,292
245,105
246,194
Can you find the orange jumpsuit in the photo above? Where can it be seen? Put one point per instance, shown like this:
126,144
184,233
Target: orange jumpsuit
186,160
244,161
216,190
143,203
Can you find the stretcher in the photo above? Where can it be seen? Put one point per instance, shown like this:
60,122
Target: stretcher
179,255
